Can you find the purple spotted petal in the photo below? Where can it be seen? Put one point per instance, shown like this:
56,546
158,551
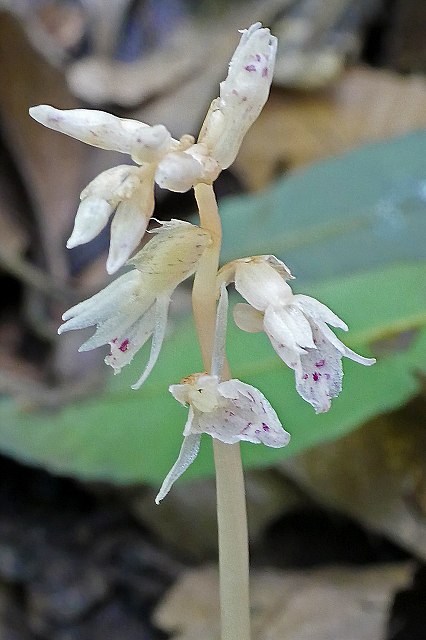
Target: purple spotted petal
244,414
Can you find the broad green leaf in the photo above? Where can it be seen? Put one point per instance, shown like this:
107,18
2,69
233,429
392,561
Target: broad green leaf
127,436
361,210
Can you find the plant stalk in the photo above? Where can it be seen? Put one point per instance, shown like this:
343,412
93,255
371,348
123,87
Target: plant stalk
231,503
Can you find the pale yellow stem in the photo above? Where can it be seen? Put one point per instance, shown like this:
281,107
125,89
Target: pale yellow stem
231,504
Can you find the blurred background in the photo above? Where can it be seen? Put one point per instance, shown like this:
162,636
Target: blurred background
332,178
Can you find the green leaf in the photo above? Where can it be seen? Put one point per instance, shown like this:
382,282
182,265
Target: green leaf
358,211
353,227
129,436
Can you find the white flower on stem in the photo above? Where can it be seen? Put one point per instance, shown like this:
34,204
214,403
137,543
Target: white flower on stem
135,306
230,411
127,191
297,326
242,95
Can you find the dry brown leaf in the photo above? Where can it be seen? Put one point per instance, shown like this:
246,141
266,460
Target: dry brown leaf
364,106
325,604
51,165
376,474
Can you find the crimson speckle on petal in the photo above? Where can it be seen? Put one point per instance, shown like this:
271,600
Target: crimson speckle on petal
297,326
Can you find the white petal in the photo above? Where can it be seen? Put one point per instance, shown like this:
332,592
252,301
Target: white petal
180,392
344,350
100,306
96,128
276,326
187,455
299,326
247,318
260,284
172,254
319,373
121,319
127,344
289,356
242,94
219,347
246,415
318,311
92,216
178,171
114,184
161,311
129,225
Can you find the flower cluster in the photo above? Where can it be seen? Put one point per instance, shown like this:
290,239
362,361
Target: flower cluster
127,191
134,308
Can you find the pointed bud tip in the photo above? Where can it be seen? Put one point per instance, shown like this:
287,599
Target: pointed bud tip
41,112
73,241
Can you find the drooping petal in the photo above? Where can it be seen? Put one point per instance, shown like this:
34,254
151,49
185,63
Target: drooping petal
91,217
319,373
98,308
247,318
299,326
260,284
342,348
172,255
245,414
114,184
129,224
120,320
242,94
276,326
318,311
289,356
103,130
125,346
187,455
161,312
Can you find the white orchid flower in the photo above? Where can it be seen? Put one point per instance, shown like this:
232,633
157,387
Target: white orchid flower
297,326
135,306
230,411
177,165
242,95
127,190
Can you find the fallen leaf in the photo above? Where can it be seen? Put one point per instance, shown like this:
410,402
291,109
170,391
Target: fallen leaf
325,604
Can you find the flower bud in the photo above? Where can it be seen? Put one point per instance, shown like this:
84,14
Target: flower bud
242,95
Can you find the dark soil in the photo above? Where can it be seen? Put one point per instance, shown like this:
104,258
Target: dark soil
75,565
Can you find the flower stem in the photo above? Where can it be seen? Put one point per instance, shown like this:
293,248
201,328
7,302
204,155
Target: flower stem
231,504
